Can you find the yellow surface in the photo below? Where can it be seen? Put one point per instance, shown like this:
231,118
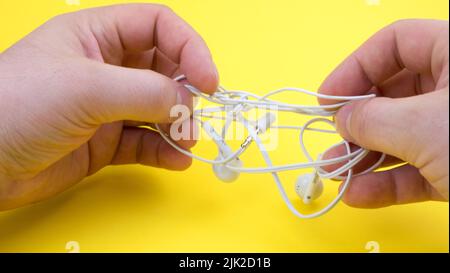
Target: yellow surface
258,46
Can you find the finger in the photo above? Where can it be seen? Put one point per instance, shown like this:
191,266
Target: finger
391,125
366,163
185,134
110,93
146,147
405,84
102,145
401,185
136,146
152,59
132,123
188,130
405,44
141,27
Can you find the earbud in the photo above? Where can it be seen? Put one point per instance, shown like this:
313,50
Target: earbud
265,122
223,147
224,173
309,187
221,171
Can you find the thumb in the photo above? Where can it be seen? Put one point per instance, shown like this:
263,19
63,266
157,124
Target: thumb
110,93
392,126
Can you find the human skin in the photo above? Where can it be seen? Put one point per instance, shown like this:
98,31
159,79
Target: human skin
406,65
73,92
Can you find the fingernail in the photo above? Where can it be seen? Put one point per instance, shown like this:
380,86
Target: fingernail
342,120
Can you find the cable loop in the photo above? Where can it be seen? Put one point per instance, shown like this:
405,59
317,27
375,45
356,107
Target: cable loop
236,102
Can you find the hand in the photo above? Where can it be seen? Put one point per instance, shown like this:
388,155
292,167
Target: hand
73,92
406,65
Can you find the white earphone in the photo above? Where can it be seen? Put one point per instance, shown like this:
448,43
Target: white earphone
224,173
309,187
227,165
221,170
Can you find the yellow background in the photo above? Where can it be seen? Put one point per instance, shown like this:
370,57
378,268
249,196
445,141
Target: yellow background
258,46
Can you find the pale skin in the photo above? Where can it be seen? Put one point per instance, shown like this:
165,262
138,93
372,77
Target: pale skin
406,65
73,92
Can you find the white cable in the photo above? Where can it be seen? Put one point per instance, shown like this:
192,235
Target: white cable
283,192
234,102
323,110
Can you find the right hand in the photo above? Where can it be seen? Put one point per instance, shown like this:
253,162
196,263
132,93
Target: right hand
406,65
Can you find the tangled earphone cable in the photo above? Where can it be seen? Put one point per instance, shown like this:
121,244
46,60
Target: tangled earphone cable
227,166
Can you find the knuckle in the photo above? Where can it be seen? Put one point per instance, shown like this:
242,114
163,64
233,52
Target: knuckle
399,23
163,8
56,18
60,18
